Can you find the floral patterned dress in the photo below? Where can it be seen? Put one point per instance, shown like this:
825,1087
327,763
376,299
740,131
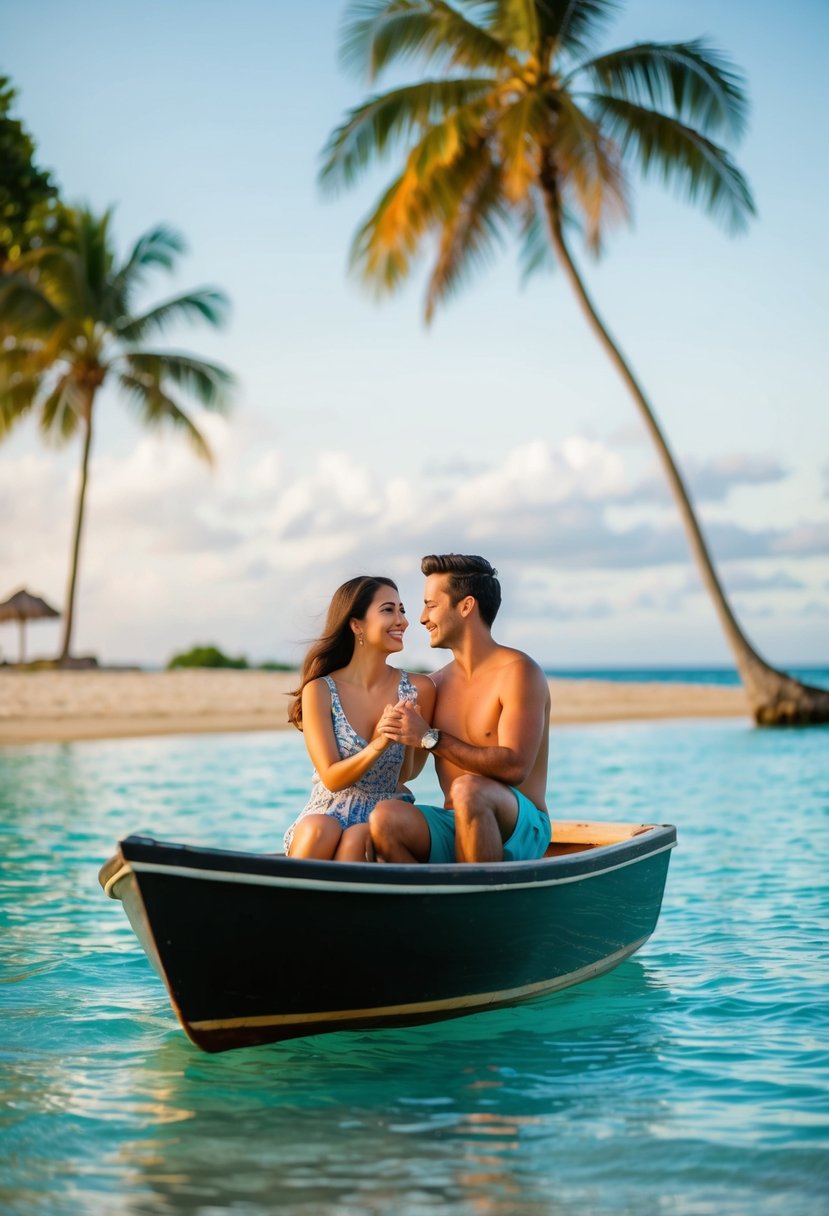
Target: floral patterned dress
353,805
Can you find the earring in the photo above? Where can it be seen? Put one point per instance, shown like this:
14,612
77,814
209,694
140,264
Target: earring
362,640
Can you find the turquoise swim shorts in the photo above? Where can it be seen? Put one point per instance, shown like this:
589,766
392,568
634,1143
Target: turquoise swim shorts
528,841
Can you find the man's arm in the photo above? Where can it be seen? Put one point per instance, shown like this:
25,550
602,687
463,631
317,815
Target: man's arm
523,695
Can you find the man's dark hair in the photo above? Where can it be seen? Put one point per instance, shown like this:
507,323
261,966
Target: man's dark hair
468,575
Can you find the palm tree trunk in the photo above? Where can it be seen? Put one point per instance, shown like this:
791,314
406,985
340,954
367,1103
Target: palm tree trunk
69,611
774,697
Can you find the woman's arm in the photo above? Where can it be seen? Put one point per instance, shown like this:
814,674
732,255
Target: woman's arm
317,727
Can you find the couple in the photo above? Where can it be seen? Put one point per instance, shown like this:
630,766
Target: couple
369,729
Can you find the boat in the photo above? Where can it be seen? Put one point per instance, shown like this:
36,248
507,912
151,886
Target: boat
256,948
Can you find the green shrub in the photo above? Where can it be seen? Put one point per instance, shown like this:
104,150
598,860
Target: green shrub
205,656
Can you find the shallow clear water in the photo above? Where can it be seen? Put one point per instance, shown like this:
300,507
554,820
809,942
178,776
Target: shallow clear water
692,1080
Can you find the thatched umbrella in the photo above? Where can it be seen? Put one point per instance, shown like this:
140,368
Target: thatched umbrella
23,607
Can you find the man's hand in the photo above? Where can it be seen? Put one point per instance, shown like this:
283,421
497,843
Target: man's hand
404,724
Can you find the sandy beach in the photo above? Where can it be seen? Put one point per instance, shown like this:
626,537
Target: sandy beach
50,706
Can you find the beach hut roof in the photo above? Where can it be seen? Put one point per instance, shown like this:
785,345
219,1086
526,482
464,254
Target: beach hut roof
23,606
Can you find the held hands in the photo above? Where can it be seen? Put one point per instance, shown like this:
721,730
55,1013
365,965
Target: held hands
403,723
388,720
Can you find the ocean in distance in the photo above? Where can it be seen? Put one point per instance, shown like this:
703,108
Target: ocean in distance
693,1080
726,676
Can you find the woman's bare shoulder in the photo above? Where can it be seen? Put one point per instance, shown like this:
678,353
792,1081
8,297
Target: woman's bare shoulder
317,688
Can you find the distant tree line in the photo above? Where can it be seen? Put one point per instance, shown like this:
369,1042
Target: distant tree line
211,656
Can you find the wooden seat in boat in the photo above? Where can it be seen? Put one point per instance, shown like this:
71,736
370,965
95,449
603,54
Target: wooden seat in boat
574,836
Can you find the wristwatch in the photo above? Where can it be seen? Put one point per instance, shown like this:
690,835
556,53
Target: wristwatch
430,739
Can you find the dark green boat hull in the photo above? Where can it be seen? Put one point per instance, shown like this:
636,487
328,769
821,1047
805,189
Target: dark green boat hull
257,949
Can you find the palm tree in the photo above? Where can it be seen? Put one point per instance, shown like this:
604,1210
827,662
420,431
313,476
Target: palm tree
70,326
524,128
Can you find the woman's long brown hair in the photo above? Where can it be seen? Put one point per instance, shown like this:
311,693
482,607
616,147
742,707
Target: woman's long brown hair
335,647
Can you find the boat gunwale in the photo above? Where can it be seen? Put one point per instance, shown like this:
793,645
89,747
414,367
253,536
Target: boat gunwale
143,853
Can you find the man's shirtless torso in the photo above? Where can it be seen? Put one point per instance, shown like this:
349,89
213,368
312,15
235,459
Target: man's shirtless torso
505,696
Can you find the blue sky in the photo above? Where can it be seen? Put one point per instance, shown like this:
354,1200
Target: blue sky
360,439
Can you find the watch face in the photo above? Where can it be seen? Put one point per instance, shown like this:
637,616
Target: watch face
430,739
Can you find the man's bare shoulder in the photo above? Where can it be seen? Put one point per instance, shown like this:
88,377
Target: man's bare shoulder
508,656
442,674
519,676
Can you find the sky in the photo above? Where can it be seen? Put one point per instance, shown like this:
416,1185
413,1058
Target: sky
360,439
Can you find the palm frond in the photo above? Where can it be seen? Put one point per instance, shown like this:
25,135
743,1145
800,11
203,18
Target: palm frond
36,354
18,396
680,156
21,357
387,241
98,258
160,247
535,251
61,276
377,33
445,142
25,308
571,27
27,376
78,274
429,192
204,304
208,383
157,409
62,409
468,240
517,23
693,80
522,129
589,169
385,120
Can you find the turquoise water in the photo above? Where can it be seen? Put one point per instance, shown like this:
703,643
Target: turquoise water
692,1080
728,676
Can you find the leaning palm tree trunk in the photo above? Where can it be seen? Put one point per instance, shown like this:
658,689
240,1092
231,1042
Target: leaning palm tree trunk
69,612
774,697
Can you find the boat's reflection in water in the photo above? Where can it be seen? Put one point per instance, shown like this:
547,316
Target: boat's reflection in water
472,1116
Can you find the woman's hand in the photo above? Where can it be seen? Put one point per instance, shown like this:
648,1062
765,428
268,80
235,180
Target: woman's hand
389,719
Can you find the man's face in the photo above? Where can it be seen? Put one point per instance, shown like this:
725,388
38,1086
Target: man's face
439,615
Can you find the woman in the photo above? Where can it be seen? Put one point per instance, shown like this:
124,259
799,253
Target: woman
346,693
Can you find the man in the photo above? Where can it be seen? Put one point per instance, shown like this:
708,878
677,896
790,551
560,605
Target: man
489,737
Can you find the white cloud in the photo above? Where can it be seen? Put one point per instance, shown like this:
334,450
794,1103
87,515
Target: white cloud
816,608
247,553
710,481
739,578
804,539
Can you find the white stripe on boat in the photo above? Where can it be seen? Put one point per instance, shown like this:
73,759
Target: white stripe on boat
376,888
474,1001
